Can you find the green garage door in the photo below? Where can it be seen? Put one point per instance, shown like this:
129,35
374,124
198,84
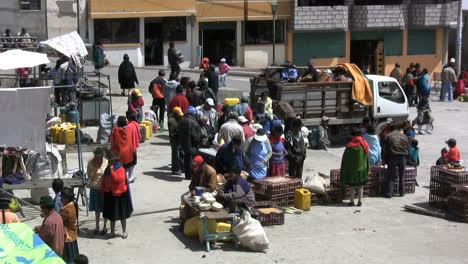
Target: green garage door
318,45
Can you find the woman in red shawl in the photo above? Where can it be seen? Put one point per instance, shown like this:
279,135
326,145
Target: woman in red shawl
117,198
121,142
355,166
134,130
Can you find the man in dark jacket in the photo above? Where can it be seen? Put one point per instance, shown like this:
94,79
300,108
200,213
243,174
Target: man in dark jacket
194,96
213,81
173,58
296,149
173,123
229,156
396,148
189,138
156,89
311,74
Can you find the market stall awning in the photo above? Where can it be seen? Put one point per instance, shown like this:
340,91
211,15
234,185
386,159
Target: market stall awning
14,59
19,244
70,44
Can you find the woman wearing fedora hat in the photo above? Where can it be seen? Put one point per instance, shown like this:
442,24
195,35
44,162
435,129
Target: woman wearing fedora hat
257,153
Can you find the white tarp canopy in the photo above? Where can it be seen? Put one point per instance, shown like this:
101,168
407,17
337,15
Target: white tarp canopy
23,113
14,59
69,44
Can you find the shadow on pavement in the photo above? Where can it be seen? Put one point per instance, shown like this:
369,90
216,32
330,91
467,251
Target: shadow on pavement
165,176
164,137
196,246
89,234
161,143
193,244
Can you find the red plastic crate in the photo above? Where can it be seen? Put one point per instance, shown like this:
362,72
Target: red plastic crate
282,201
276,186
268,219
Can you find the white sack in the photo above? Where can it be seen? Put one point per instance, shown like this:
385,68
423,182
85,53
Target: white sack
250,233
315,183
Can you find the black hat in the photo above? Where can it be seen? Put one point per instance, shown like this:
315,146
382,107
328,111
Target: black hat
451,141
46,201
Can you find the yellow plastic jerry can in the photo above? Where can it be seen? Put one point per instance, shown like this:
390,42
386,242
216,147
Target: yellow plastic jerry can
55,130
70,136
150,124
302,198
147,130
61,135
231,101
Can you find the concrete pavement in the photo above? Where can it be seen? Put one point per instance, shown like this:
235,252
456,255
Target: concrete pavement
378,232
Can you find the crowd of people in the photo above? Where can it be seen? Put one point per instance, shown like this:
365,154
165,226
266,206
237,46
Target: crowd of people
396,146
416,82
21,40
59,228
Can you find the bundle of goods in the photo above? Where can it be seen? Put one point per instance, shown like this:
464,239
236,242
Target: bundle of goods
457,203
375,183
267,213
279,190
205,202
443,182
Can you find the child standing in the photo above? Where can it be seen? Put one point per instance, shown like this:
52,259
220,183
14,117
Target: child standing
277,165
413,155
57,186
224,68
69,214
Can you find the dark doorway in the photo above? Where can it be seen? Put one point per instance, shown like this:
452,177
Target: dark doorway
219,43
154,43
368,54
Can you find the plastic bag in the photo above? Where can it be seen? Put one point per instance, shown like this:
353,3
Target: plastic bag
315,183
250,233
105,127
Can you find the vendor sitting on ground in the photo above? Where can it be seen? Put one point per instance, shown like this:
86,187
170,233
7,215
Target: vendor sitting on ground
452,156
230,155
203,176
237,193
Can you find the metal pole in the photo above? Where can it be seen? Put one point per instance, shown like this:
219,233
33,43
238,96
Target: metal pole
78,16
459,37
274,39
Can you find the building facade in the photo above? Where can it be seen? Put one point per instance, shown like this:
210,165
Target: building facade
376,34
372,34
240,31
43,18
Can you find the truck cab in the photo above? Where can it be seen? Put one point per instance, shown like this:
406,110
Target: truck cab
389,99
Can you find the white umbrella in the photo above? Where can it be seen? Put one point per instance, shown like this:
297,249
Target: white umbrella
14,59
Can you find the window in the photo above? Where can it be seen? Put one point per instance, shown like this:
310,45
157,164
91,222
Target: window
30,4
391,91
320,2
261,32
175,28
421,41
378,2
121,30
